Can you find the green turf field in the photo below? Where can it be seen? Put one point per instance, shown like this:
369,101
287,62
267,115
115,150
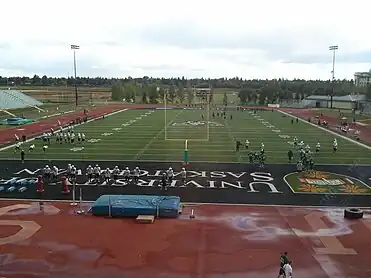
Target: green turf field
143,135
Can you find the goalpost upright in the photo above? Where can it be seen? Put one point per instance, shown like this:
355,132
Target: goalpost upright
204,96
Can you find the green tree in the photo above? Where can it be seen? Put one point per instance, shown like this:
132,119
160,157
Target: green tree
144,97
129,91
153,93
171,94
190,95
180,93
243,96
117,91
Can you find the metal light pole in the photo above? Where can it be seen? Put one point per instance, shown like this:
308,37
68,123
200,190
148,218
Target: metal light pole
74,48
333,48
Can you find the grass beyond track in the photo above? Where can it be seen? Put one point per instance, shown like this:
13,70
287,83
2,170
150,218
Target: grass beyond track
143,135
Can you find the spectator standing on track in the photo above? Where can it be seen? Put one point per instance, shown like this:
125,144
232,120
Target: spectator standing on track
288,269
283,261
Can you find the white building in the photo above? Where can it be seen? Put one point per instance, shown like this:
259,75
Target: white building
361,79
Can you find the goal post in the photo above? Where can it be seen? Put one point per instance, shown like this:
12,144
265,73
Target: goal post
186,152
201,101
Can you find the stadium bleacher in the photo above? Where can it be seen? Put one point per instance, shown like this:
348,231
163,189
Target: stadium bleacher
13,99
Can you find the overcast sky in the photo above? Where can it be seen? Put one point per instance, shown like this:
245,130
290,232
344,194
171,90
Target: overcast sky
193,38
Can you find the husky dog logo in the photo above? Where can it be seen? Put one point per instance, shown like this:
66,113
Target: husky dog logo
198,123
317,182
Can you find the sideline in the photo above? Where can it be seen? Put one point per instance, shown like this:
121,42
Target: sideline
180,161
192,204
325,129
57,131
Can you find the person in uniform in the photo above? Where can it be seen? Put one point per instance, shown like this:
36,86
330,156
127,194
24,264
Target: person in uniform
107,176
283,261
170,174
247,143
164,181
183,174
116,172
136,174
89,172
127,174
22,156
68,172
97,173
55,173
238,144
47,173
318,147
290,154
73,173
17,147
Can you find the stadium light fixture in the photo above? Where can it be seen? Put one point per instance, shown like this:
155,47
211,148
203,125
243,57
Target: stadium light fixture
75,47
333,48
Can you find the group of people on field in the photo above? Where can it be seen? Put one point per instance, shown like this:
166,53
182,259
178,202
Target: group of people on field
285,266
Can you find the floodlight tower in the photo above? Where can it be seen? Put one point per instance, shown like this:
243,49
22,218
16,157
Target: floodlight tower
75,47
333,48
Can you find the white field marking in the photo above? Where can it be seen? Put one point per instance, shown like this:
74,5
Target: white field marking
57,131
154,138
107,134
327,130
180,161
195,204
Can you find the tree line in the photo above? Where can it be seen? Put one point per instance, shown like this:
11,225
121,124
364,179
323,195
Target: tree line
248,90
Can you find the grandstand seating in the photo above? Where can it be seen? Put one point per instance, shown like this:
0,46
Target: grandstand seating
12,99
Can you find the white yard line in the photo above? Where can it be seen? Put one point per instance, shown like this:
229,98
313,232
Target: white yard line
180,161
88,121
154,138
327,130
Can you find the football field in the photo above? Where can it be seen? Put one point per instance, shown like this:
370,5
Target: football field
159,135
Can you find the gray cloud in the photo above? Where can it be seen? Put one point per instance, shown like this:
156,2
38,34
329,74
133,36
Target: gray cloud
283,45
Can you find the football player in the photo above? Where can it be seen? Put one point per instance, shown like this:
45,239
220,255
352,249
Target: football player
170,174
136,174
31,148
183,174
335,145
318,147
89,172
116,172
127,174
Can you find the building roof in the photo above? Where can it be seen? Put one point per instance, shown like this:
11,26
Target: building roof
349,98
